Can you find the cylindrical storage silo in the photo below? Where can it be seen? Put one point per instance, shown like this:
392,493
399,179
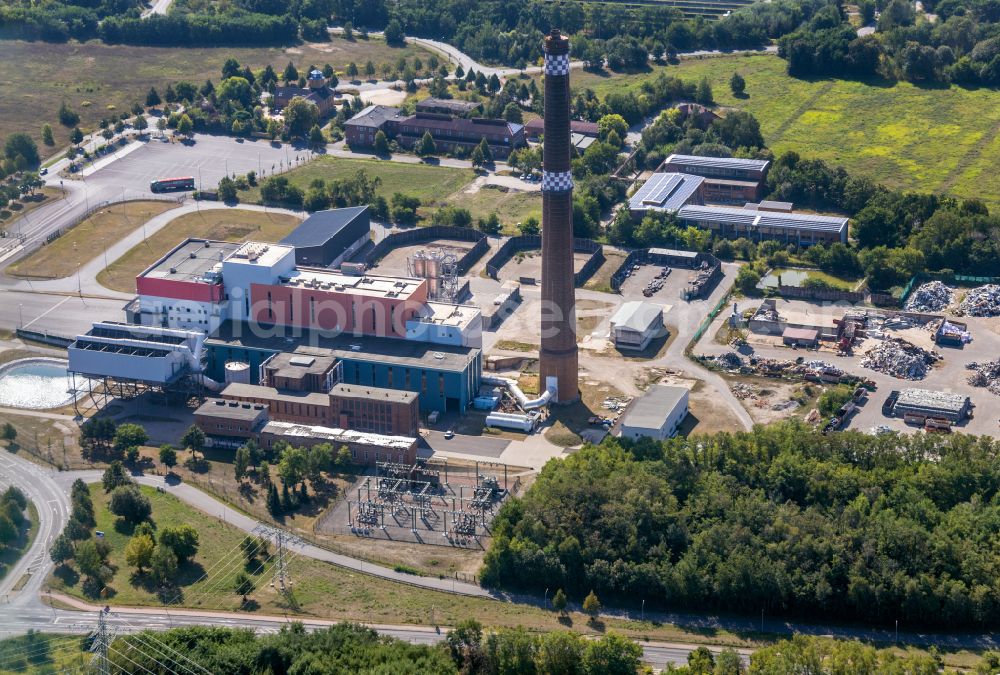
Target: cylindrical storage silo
237,371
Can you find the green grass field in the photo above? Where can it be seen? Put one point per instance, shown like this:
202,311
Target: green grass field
430,183
36,77
511,207
931,139
216,542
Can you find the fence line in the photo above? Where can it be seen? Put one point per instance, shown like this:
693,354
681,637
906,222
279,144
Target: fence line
421,234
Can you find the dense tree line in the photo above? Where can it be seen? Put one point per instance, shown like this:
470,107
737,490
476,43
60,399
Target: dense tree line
344,648
781,519
349,648
13,520
624,36
961,46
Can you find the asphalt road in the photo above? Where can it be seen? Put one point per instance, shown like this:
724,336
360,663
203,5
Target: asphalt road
60,314
482,446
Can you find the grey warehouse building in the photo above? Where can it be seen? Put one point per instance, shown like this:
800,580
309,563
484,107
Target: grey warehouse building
657,415
924,403
328,238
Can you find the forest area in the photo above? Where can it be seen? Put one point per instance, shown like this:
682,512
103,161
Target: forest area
781,519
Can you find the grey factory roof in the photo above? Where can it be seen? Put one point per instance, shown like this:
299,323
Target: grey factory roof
233,410
298,364
373,393
650,411
191,260
665,192
926,398
719,162
407,353
721,214
241,390
323,226
636,315
763,219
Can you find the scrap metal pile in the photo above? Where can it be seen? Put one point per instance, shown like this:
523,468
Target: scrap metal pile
729,361
656,284
930,297
985,375
899,358
982,301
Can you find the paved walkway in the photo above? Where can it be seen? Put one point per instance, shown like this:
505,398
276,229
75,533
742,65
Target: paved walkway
87,281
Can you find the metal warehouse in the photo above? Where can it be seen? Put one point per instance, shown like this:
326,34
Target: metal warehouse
924,403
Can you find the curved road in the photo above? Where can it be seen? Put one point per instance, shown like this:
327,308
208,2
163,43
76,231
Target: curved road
50,493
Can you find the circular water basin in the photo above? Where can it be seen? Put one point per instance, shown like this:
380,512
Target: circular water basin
35,383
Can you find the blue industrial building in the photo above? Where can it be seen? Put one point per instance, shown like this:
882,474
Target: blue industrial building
446,378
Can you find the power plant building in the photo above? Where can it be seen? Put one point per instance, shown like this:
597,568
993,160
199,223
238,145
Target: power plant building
445,377
328,238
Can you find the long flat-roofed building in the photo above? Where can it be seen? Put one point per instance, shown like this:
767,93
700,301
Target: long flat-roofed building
795,228
363,408
924,403
365,448
666,192
727,179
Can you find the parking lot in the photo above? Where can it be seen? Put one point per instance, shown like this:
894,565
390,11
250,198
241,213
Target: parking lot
206,158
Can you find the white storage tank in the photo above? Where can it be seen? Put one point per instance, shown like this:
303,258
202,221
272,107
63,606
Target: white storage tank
237,371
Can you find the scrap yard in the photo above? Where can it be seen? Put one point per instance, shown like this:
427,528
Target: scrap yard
945,339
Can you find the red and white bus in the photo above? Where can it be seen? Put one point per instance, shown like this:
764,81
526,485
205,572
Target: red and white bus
171,184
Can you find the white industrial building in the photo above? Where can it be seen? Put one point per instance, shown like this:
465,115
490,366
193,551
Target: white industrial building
658,414
636,324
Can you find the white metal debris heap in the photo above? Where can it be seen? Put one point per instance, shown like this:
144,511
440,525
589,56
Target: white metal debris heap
899,358
982,301
933,296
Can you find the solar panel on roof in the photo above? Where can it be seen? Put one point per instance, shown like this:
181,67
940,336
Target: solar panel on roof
664,188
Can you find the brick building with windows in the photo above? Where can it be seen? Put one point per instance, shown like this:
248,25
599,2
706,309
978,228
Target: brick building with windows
450,133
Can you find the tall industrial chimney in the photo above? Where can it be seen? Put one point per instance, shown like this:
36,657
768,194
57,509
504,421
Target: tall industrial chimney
558,357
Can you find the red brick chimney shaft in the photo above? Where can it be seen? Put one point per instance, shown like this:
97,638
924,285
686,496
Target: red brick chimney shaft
558,355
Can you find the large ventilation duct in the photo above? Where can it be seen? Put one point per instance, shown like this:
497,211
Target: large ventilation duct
551,391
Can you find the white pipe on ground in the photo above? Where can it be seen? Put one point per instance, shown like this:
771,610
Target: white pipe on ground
551,388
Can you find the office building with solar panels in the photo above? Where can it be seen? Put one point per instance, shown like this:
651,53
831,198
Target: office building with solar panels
689,198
